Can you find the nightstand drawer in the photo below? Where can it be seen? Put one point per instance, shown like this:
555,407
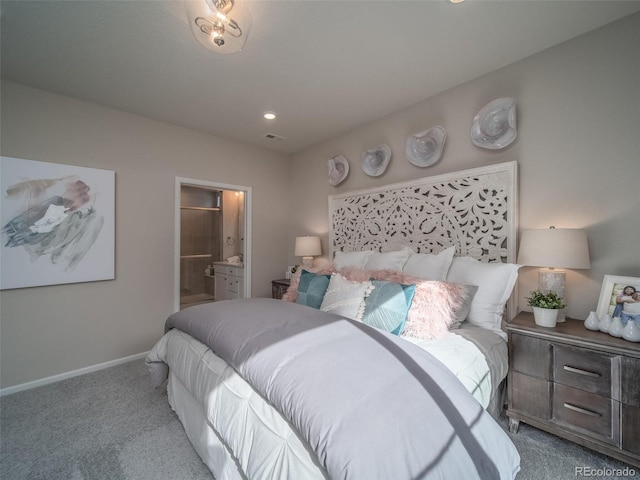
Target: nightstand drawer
631,431
575,383
533,356
630,384
586,412
530,395
588,371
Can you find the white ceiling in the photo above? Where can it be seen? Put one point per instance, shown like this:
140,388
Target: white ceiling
324,66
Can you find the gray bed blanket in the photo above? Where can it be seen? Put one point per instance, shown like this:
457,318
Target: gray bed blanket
369,404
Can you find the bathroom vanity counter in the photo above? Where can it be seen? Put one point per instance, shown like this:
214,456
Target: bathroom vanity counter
229,280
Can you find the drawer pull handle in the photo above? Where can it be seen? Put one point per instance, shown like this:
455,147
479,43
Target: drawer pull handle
581,410
581,372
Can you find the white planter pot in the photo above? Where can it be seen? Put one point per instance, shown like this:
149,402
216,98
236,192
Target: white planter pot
545,317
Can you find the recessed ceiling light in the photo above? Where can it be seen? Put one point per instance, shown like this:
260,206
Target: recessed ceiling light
269,115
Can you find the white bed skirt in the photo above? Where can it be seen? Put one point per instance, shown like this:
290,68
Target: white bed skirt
235,431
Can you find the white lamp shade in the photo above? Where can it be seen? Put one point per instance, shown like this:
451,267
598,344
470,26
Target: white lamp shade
554,248
307,246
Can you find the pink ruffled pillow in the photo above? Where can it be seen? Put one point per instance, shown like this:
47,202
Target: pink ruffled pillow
433,310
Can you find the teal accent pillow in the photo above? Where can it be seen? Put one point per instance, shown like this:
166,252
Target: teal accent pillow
311,289
388,305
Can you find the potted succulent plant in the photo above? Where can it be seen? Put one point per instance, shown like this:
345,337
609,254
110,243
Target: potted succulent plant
545,307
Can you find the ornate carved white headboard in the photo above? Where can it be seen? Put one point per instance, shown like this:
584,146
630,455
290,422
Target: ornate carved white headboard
475,210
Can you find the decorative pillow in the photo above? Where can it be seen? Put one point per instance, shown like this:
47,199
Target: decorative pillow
387,260
429,266
345,297
388,305
433,310
495,282
434,306
461,314
311,288
351,259
291,295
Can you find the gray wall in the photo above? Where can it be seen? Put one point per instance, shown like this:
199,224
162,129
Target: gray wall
51,330
577,150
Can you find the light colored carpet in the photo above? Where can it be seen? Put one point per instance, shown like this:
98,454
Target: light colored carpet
547,457
111,425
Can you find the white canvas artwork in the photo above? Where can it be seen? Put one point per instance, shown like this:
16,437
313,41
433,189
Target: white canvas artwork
58,224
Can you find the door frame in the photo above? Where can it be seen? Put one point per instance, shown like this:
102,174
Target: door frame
182,181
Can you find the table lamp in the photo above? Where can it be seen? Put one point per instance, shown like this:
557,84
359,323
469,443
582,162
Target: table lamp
555,249
307,247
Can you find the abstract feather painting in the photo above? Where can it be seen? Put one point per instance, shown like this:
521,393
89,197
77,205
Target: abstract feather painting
58,224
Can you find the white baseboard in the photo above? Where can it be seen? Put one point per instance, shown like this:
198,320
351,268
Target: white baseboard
73,373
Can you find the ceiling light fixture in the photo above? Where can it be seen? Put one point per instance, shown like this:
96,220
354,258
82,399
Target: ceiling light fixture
219,25
269,115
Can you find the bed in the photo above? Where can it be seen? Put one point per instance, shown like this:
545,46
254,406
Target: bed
388,363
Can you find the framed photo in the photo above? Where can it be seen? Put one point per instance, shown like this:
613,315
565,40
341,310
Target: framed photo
57,223
614,288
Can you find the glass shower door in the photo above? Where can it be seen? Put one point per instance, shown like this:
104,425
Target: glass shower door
200,230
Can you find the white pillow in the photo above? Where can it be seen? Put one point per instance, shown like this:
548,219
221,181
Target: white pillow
346,298
351,259
429,266
495,282
387,260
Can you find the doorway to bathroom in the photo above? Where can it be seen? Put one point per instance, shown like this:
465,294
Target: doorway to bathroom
211,237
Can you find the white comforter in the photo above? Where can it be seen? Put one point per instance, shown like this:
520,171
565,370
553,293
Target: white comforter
215,403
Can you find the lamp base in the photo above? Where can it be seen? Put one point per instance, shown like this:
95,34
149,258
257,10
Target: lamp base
553,280
307,262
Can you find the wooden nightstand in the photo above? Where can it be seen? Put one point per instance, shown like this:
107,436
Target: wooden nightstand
575,383
279,287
